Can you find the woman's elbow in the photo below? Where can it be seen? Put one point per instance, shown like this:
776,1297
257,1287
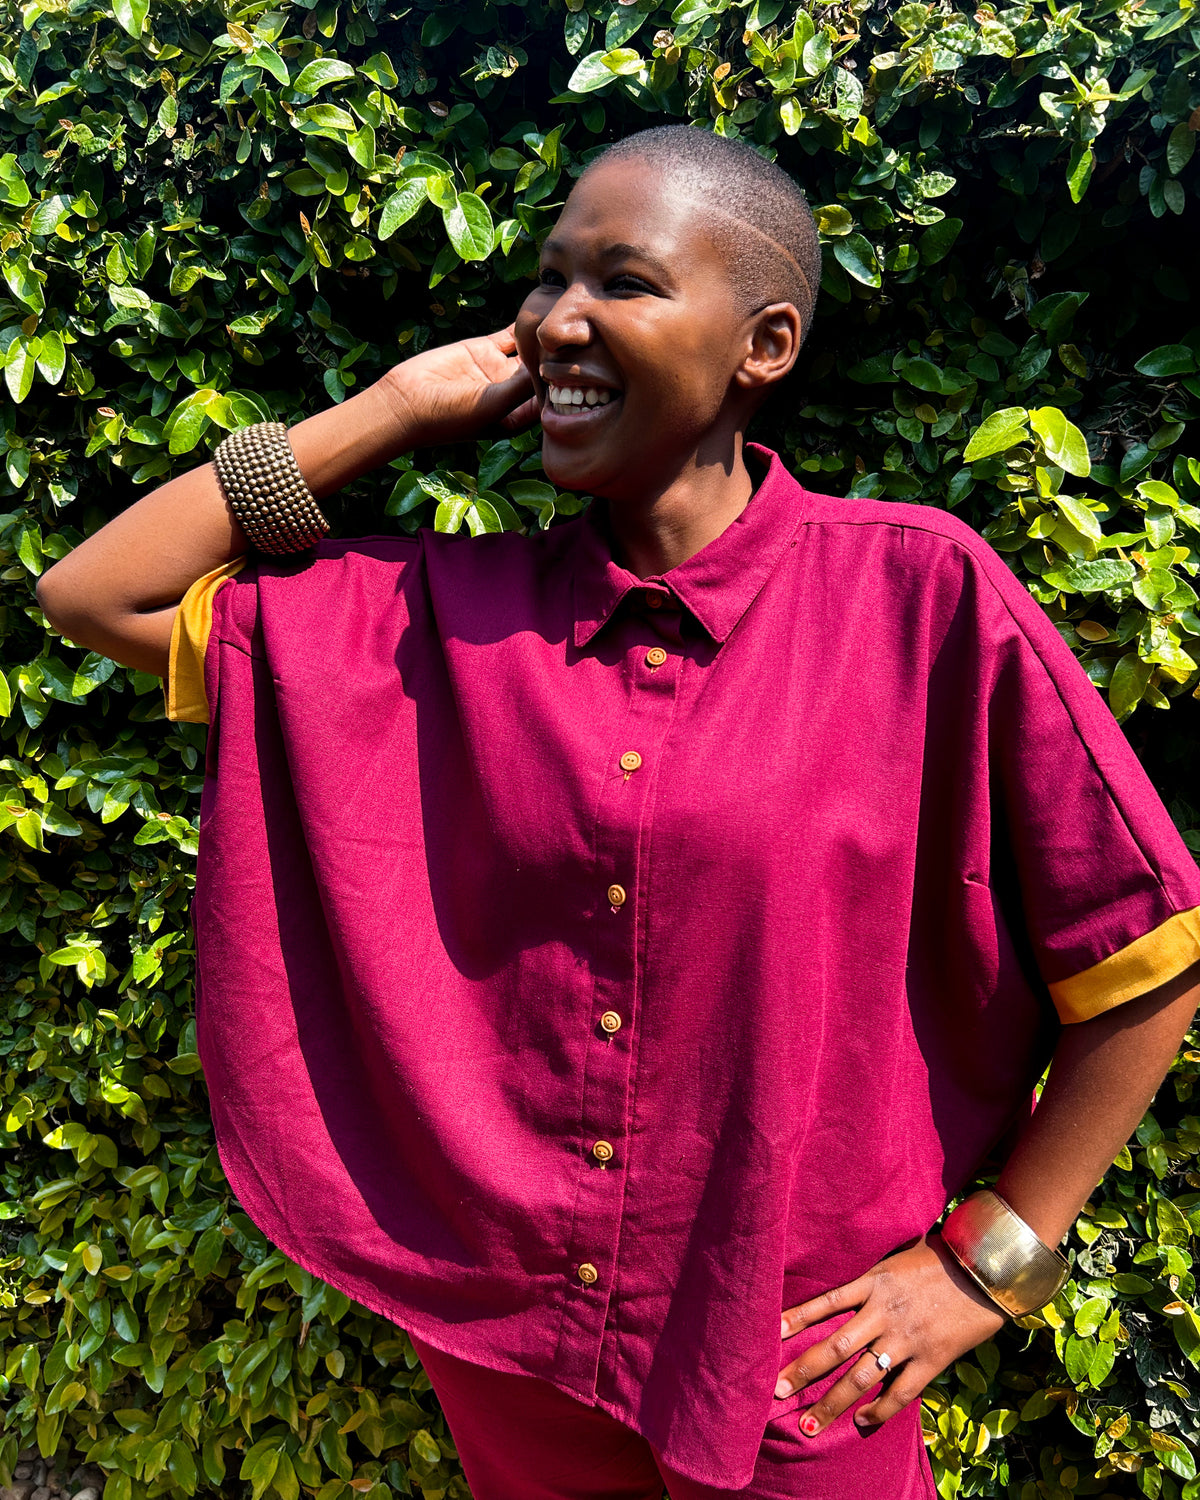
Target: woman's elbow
70,606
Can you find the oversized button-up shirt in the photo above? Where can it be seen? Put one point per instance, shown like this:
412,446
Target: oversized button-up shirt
592,966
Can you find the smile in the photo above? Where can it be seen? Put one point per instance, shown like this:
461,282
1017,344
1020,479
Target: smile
565,400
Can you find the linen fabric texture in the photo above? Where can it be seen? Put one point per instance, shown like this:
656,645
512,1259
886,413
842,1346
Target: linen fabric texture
796,968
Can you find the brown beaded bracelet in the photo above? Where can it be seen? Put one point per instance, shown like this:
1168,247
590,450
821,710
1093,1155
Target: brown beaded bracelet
266,491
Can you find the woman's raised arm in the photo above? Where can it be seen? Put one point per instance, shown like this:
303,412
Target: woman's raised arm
118,591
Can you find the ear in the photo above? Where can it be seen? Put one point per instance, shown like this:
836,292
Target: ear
773,340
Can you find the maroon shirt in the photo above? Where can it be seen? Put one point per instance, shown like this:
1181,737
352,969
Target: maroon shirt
592,967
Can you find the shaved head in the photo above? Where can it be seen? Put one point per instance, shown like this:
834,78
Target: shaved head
756,215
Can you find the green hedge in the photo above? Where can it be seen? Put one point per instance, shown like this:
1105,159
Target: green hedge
216,215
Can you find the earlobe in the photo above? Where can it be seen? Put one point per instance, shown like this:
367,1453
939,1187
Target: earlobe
773,342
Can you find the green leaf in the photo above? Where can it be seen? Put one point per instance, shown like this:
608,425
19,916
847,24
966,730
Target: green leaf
591,73
1064,444
14,188
321,71
938,240
401,206
1004,429
425,1446
186,424
50,213
1080,517
1181,143
378,68
856,255
267,58
52,360
131,15
1090,1316
1054,314
1079,171
1167,359
922,373
19,368
1130,677
469,227
817,54
622,61
1090,577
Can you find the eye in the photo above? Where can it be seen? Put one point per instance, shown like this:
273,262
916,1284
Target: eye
627,282
548,277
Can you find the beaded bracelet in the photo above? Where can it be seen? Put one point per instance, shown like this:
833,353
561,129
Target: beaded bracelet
266,491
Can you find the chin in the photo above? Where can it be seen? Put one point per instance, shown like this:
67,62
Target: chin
571,471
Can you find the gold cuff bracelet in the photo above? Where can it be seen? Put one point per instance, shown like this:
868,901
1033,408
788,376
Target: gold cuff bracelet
999,1251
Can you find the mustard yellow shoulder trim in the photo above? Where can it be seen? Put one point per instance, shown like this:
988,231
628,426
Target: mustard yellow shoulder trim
189,642
1134,970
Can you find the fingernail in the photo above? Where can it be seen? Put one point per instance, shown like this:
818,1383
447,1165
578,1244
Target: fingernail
809,1426
783,1328
862,1420
783,1386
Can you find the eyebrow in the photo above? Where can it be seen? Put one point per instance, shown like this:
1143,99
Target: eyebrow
620,250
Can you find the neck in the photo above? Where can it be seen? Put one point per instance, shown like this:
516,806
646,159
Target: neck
661,528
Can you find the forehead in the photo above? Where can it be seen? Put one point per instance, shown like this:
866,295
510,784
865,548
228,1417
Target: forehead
635,203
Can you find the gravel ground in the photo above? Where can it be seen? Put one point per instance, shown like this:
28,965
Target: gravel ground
35,1479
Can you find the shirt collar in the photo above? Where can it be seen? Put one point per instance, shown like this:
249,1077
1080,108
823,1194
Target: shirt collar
719,583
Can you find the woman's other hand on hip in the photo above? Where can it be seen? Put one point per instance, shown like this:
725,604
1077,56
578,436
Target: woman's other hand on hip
913,1314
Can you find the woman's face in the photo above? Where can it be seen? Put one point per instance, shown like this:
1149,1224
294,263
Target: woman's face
632,337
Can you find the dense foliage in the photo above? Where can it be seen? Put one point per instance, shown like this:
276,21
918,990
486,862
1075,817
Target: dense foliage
211,214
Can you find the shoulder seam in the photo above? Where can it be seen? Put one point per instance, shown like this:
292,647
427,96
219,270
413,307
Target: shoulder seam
964,546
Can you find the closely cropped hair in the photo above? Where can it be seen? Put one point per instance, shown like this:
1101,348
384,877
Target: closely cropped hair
758,217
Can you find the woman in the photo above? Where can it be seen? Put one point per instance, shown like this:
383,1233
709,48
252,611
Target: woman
614,940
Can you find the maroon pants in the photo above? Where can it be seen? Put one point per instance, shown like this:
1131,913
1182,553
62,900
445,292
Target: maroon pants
523,1439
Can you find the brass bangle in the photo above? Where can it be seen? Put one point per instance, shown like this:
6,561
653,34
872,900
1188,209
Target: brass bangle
266,491
999,1251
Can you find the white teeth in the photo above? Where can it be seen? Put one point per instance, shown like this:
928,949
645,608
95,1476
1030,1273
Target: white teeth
568,398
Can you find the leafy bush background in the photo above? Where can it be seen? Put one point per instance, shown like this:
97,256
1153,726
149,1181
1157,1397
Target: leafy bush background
216,214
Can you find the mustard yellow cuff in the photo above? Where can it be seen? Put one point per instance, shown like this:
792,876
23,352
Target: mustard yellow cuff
1133,970
184,687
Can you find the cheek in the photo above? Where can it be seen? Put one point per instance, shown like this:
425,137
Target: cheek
525,330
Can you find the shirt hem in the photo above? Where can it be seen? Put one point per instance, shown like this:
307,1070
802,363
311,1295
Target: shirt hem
433,1331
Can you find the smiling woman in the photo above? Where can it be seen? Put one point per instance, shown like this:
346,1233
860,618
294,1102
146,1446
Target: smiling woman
718,966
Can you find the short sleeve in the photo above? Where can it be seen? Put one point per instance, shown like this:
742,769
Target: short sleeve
1108,889
185,694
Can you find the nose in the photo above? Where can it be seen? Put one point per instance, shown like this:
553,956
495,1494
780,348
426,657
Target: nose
568,323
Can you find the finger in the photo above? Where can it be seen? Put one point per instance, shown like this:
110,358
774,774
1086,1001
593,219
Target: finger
505,339
524,416
900,1393
863,1375
844,1343
498,400
840,1299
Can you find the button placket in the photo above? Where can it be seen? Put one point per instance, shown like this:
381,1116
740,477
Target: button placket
623,815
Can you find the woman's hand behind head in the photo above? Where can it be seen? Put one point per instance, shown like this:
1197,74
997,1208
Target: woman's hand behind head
458,391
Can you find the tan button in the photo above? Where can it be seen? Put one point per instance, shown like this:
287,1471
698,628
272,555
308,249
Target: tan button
655,656
630,761
616,894
610,1021
654,601
602,1151
587,1273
